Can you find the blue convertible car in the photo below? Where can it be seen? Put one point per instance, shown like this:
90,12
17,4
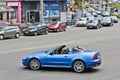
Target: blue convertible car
75,58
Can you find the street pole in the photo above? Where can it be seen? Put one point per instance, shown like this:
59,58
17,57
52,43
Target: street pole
82,8
41,11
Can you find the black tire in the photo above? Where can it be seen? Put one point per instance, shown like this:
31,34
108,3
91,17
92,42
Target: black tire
35,33
58,30
34,64
17,35
78,66
46,32
64,29
88,28
1,37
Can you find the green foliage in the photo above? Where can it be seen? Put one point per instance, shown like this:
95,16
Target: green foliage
118,16
78,3
117,5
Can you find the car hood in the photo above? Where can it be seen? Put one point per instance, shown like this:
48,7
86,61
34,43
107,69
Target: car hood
38,53
52,26
28,29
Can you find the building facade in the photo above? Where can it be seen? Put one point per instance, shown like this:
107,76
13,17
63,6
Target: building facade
25,9
51,9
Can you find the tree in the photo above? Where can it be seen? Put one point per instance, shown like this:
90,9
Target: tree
79,3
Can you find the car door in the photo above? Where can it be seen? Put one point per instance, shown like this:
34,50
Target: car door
58,60
9,31
41,29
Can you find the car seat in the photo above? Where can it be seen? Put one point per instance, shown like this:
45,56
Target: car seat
67,51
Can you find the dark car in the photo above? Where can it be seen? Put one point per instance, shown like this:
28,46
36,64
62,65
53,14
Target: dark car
107,21
36,29
94,24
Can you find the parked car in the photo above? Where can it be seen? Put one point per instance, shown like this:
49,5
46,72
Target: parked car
81,22
115,19
57,26
94,24
9,31
36,29
107,21
89,18
105,14
75,58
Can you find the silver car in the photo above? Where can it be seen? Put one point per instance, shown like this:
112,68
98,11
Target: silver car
9,31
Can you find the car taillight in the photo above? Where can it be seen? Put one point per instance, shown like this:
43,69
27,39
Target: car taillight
94,57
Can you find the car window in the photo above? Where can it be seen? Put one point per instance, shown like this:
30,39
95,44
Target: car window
39,25
10,28
1,28
54,23
2,24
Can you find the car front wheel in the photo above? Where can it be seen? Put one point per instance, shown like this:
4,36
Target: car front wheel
46,31
1,37
78,66
35,64
17,35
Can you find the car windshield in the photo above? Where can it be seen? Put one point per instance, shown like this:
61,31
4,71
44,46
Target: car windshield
82,19
33,26
93,21
2,24
54,23
106,19
114,17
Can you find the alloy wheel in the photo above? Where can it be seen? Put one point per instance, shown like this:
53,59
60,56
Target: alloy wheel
1,37
79,66
34,64
17,35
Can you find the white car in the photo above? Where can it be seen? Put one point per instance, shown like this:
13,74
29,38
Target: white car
115,19
81,22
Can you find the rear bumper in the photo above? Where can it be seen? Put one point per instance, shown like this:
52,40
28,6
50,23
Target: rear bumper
93,64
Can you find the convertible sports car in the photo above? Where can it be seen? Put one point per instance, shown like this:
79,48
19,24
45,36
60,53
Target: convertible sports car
75,58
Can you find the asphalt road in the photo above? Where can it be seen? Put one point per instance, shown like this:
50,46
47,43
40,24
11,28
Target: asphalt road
106,40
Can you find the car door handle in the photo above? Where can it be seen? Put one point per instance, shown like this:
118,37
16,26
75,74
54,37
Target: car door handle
65,56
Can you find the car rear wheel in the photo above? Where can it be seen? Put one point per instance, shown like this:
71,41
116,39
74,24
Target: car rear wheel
78,66
1,37
17,35
35,64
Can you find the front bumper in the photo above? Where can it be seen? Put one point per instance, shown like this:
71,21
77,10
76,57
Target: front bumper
106,24
91,26
28,33
52,29
25,62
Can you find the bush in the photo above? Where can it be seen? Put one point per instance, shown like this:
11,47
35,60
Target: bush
118,16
